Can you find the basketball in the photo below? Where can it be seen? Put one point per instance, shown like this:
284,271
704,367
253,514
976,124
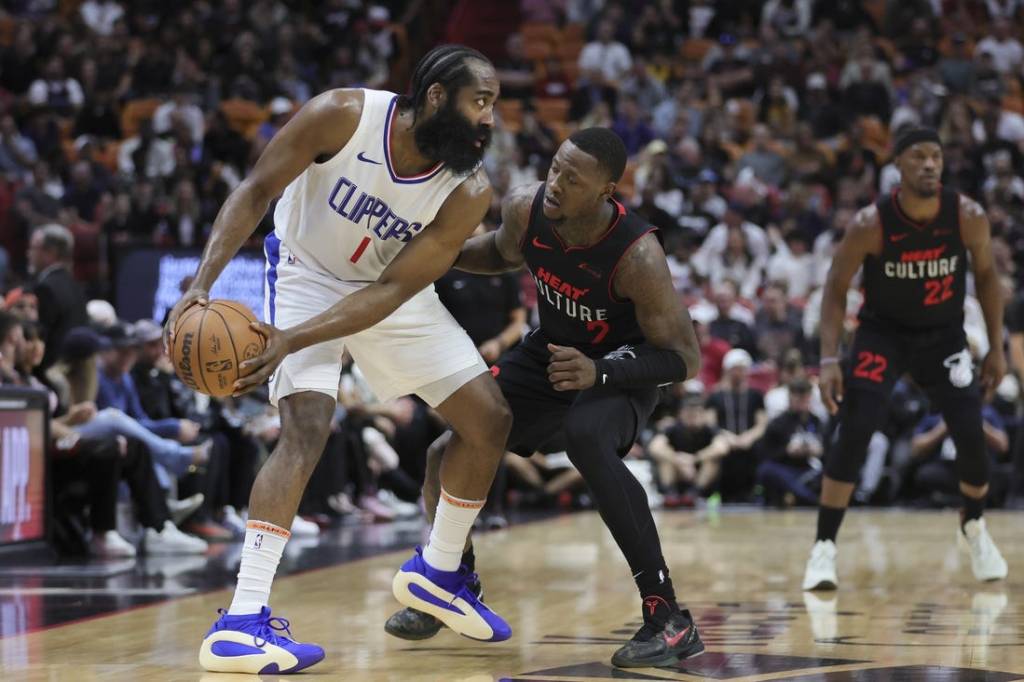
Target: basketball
211,342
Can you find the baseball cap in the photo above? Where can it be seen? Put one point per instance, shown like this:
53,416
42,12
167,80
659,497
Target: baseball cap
147,330
81,342
737,357
120,335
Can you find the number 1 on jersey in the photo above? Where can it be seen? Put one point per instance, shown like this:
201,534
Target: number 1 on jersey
358,253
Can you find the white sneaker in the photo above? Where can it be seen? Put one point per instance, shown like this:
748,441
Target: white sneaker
402,509
110,544
182,509
986,561
821,567
304,528
170,540
232,521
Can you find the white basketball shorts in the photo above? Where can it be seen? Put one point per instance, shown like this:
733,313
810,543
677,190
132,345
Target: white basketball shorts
418,349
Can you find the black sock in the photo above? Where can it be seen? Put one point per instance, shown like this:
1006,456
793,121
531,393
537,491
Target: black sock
974,507
829,520
469,559
658,594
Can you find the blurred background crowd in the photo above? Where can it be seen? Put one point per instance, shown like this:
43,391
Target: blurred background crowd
755,130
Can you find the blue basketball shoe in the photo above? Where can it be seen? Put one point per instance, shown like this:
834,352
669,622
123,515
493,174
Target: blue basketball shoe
251,644
449,597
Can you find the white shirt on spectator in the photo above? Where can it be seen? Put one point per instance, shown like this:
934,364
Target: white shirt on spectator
165,114
757,242
101,15
812,311
612,60
706,310
1016,187
39,91
796,271
1002,9
1006,54
1010,128
159,161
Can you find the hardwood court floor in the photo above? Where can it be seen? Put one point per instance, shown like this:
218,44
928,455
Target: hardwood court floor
907,609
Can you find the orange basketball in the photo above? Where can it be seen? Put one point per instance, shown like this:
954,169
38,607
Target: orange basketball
210,343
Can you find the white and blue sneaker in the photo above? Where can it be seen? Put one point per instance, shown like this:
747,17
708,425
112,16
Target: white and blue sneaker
447,595
251,644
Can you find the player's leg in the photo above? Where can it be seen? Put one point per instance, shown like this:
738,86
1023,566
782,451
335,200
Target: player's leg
246,639
433,581
876,363
600,428
946,364
410,623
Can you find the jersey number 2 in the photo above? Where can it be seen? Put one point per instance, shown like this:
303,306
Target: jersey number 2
939,290
602,330
865,370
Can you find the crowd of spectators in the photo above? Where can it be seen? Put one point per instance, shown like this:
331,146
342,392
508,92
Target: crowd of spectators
755,132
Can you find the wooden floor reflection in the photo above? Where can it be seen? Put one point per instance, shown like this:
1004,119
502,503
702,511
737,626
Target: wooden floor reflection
907,609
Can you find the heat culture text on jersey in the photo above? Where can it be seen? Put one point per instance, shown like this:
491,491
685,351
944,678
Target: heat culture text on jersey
922,264
565,297
347,201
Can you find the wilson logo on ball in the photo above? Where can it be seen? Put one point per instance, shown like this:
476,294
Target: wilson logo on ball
185,364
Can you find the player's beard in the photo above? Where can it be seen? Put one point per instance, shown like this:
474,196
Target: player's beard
451,138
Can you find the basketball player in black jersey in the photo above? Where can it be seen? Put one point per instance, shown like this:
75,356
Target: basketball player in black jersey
612,329
913,245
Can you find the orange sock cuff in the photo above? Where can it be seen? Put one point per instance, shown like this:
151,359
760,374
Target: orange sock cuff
459,502
264,527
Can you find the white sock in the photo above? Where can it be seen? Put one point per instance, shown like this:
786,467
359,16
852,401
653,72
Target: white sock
264,543
452,523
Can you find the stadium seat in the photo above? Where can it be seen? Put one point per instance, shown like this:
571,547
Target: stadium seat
244,116
552,109
135,112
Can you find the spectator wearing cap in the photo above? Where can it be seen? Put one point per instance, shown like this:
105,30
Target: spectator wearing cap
166,438
61,300
739,412
682,449
792,368
22,304
791,451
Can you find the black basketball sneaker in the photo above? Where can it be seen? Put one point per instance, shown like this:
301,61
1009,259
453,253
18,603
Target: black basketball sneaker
667,635
412,624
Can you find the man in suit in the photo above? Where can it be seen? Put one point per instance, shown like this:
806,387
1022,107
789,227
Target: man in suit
61,300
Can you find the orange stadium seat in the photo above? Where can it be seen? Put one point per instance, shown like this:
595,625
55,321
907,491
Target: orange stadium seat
539,33
694,50
574,33
244,116
552,109
537,50
135,112
569,49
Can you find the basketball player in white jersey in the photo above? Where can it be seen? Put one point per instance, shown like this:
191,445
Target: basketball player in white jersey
379,193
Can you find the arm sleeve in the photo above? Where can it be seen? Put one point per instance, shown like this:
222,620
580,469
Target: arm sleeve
643,366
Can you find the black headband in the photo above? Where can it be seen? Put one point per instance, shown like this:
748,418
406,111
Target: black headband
912,137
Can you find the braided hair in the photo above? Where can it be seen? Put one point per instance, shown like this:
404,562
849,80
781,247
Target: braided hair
445,64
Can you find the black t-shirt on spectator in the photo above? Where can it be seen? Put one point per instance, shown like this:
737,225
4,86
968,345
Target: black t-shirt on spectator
691,440
736,333
781,430
480,303
736,410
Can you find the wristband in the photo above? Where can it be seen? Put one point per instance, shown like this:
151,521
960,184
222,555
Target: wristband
830,360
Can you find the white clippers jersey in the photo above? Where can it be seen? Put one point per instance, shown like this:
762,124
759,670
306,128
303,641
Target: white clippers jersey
351,215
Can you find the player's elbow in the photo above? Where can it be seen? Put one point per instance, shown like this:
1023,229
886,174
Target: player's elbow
691,358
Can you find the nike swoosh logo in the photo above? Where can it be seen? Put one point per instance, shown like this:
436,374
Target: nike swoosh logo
363,158
541,245
672,641
898,237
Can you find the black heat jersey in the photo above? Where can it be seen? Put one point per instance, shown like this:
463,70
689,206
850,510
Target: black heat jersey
919,280
574,283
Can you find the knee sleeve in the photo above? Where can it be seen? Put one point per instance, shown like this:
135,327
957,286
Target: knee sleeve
861,415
